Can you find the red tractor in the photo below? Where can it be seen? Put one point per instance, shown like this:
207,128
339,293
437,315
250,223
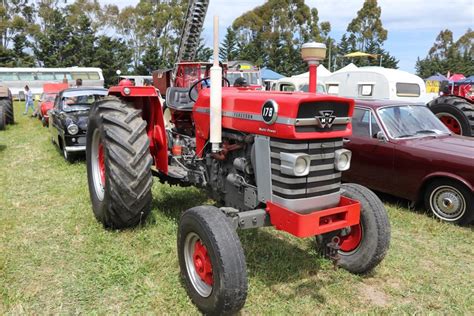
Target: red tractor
455,108
267,159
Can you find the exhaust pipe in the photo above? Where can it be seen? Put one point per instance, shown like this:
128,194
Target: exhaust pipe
216,94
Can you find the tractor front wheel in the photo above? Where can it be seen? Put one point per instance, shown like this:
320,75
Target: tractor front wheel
212,261
118,164
363,246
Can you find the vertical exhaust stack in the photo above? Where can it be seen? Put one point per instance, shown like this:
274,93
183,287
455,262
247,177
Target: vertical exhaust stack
313,53
216,93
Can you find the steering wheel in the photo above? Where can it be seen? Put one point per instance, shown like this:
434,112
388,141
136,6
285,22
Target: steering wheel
224,79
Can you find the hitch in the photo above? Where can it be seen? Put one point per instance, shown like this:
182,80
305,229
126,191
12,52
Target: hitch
333,250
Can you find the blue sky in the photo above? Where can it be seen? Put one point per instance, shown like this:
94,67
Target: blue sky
412,24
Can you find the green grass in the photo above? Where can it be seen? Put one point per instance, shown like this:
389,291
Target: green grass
55,257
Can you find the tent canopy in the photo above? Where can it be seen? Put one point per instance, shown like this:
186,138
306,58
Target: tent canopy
321,72
437,77
268,74
468,80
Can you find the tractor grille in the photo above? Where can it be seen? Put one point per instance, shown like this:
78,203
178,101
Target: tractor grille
309,110
322,179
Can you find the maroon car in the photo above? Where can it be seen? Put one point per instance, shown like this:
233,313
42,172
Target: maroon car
404,150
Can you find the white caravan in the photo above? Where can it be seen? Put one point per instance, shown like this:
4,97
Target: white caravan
377,83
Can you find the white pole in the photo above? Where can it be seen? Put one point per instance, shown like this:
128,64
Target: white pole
216,94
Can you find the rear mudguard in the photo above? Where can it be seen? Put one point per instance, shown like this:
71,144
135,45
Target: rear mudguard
146,99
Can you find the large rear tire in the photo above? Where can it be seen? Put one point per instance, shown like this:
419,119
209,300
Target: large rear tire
212,261
8,108
367,243
3,117
118,164
456,113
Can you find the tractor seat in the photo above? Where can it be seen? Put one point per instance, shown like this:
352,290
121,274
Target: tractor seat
178,99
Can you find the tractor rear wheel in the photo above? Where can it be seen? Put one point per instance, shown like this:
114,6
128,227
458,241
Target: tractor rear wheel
456,113
118,164
8,108
212,261
365,245
2,118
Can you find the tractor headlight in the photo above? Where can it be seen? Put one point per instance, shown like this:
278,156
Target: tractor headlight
72,129
295,164
343,159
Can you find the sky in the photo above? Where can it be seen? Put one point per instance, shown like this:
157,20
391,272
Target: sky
412,24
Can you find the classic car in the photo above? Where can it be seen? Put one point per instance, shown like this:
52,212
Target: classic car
404,150
69,117
50,91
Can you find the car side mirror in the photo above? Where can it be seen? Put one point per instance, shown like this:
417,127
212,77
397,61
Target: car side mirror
381,137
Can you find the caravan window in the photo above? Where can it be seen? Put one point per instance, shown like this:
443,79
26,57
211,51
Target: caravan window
333,89
408,89
365,90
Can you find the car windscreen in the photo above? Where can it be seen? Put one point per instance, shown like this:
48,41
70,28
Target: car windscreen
79,102
410,121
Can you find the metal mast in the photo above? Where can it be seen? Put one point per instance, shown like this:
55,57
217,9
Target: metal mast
192,28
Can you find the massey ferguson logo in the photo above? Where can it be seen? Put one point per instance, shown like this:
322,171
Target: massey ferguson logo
326,119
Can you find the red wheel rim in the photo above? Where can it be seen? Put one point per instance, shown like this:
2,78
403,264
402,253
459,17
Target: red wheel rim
202,263
350,242
101,164
451,123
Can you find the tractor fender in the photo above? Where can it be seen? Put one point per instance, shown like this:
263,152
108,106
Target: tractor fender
147,100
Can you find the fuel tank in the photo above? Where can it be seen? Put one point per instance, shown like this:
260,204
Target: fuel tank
286,115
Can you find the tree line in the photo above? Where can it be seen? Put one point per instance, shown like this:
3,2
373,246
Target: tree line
139,39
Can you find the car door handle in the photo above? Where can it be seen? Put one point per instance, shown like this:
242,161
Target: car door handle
346,140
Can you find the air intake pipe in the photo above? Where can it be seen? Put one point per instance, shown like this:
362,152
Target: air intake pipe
216,94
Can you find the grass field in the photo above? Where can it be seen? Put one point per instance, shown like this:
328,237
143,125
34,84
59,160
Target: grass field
55,258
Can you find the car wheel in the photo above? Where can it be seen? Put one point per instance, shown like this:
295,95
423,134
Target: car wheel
365,245
118,164
212,261
69,157
450,201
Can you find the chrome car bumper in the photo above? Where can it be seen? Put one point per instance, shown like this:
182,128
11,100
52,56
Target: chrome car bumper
75,148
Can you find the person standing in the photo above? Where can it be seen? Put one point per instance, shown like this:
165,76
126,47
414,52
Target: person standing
28,100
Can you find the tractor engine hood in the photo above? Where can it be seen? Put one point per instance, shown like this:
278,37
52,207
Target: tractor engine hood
289,115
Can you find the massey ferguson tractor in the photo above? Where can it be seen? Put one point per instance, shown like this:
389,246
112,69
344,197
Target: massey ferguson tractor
267,159
455,108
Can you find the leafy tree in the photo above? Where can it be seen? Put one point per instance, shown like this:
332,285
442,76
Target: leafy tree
366,34
16,17
52,44
447,55
111,55
228,49
367,26
271,35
